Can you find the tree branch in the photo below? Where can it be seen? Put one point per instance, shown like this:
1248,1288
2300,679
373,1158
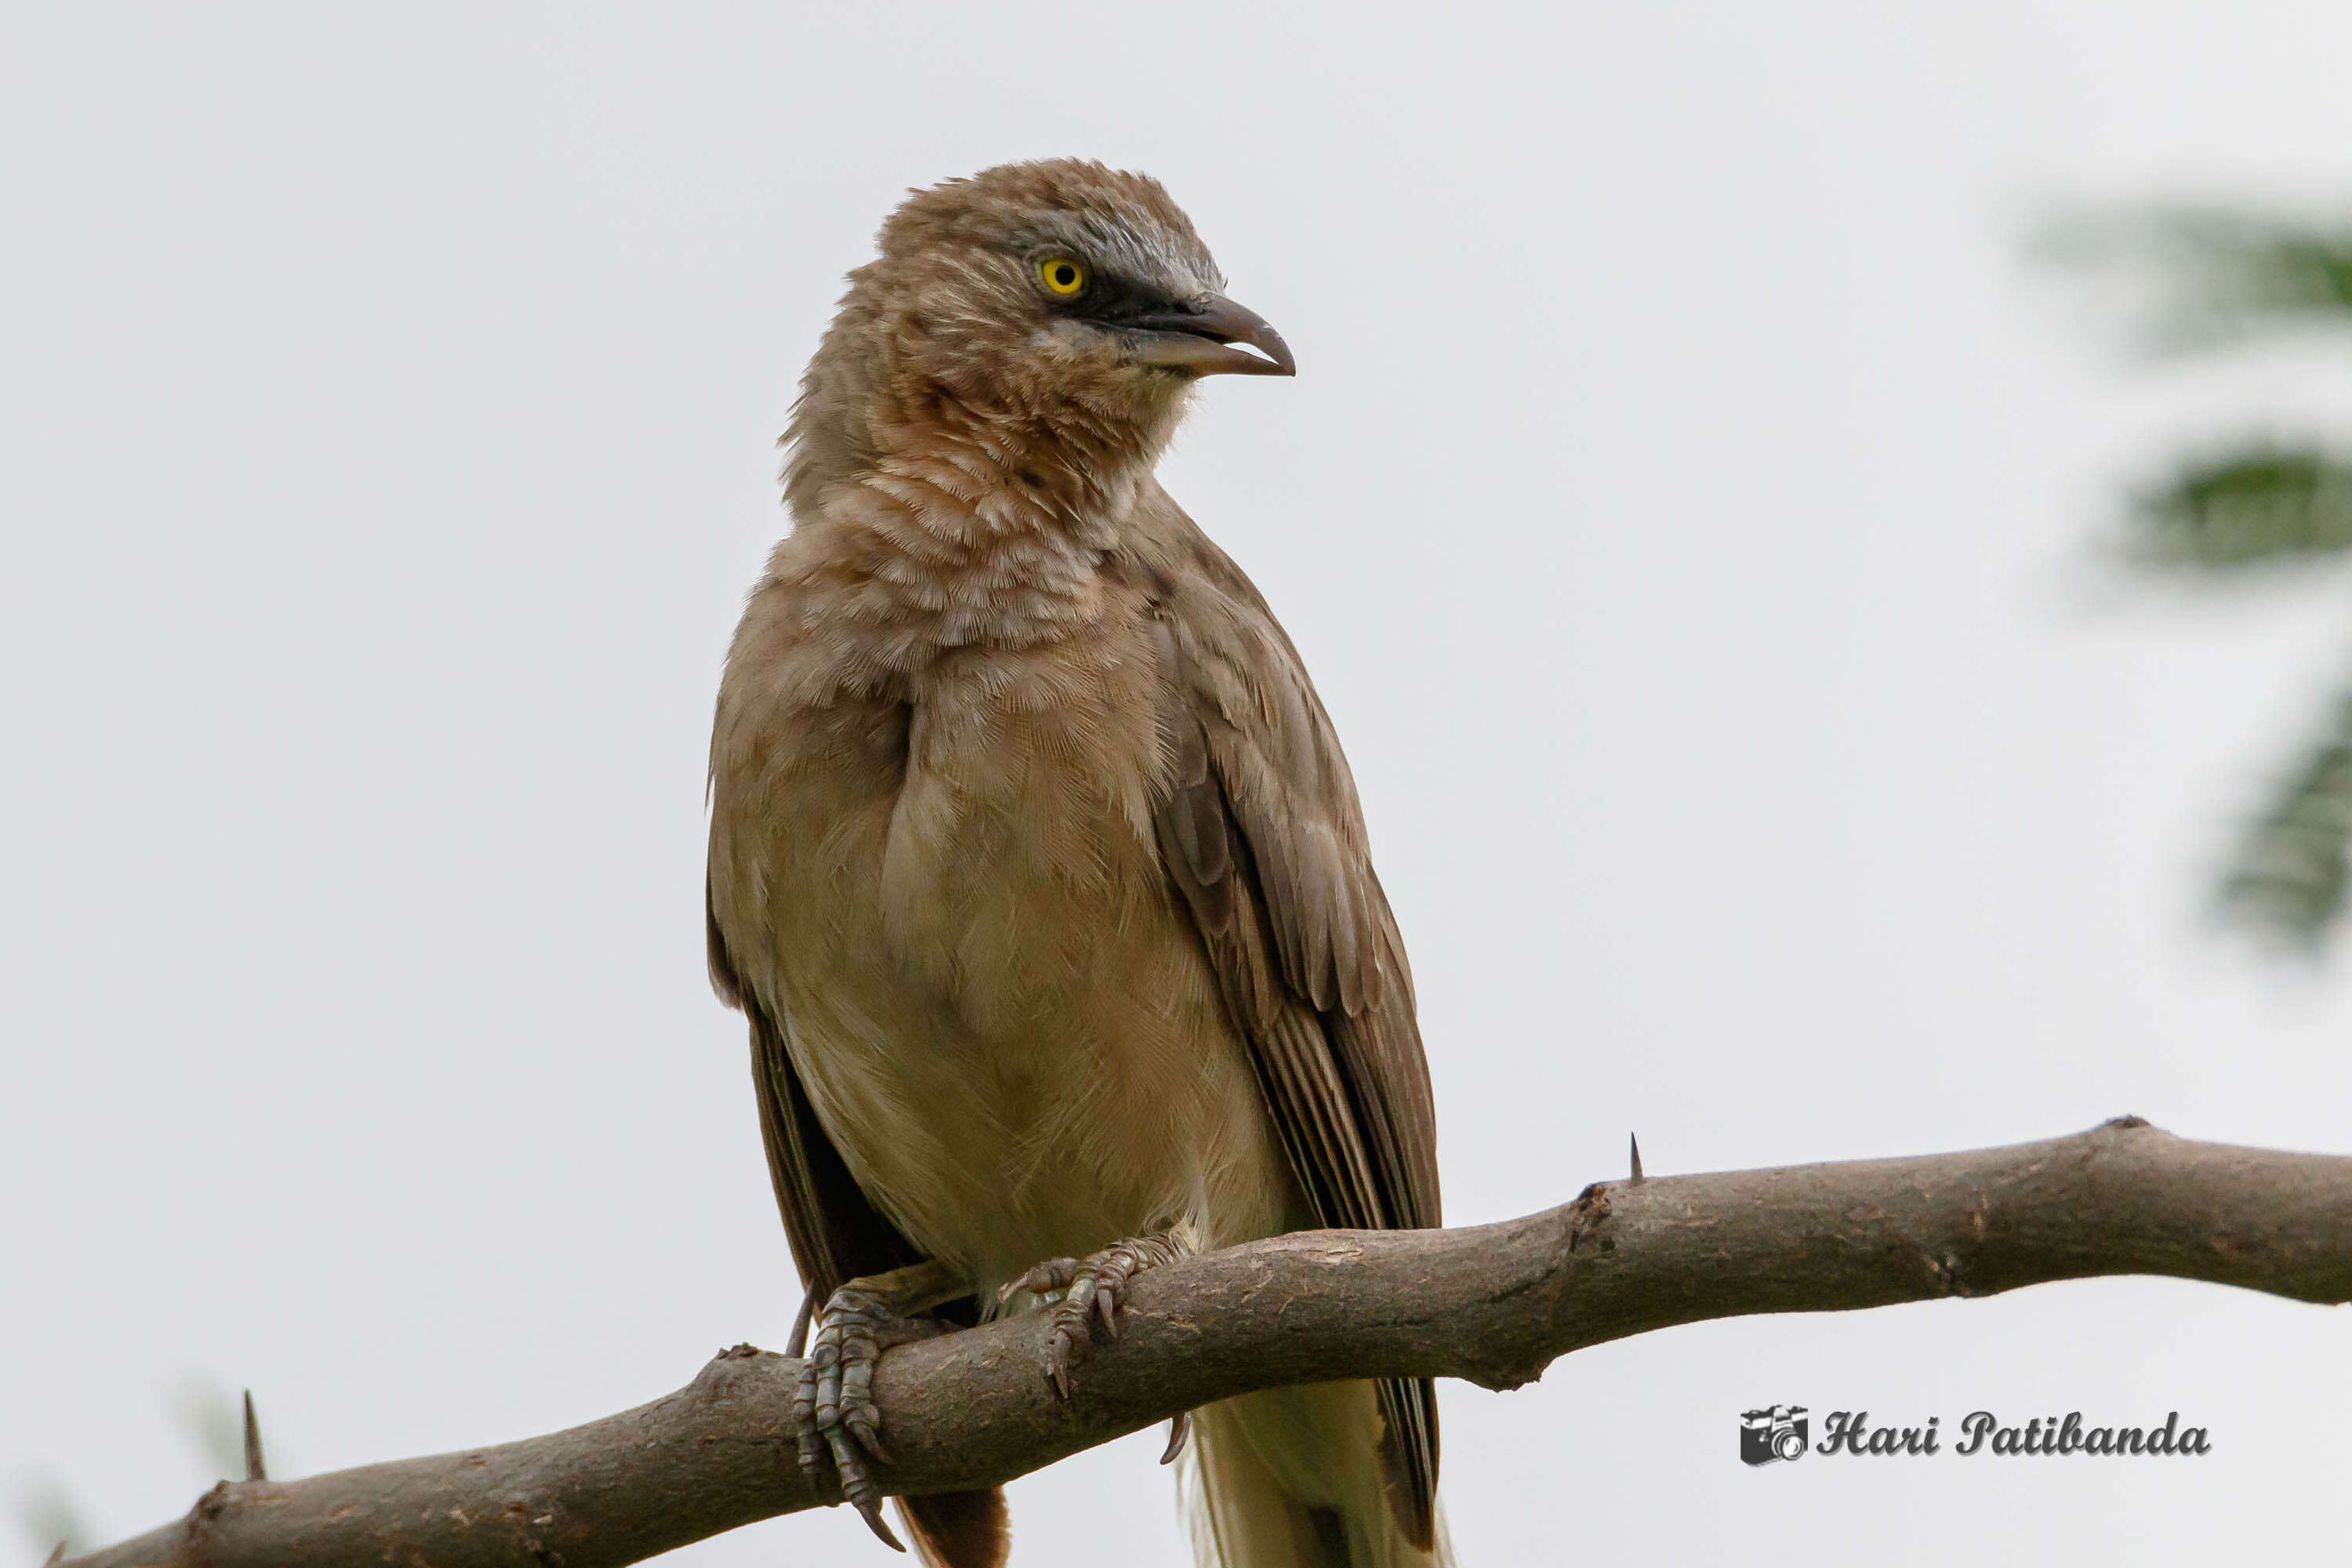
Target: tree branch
1494,1304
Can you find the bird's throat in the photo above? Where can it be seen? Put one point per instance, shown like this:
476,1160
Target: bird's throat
960,548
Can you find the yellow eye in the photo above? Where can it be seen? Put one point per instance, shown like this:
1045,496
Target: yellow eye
1062,275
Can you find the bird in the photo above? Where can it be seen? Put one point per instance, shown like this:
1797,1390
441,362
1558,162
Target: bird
1039,872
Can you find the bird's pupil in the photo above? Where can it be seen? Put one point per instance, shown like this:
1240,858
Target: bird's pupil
1064,276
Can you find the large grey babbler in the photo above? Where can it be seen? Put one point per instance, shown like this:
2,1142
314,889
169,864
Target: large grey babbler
1037,869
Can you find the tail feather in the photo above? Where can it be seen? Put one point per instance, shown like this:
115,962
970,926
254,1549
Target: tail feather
1299,1477
958,1530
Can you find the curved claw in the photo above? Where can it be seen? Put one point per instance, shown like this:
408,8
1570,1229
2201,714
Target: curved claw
871,1513
1178,1430
1107,1305
857,1486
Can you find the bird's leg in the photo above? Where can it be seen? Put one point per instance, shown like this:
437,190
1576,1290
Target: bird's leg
832,1404
1091,1289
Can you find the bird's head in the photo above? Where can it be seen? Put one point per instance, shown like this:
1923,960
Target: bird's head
1058,302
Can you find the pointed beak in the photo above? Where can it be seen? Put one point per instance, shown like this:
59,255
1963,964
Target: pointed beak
1198,336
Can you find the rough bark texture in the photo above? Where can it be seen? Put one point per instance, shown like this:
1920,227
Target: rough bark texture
1494,1304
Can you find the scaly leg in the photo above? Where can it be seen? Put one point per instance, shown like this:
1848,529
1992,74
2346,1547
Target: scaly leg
1092,1289
832,1404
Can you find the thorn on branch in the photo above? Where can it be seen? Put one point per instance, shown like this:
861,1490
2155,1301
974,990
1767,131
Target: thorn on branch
1636,1143
255,1470
56,1556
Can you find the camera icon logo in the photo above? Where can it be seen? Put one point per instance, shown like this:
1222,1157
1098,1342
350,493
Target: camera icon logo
1775,1432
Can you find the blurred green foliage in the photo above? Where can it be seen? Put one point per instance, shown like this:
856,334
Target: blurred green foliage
2204,282
2253,507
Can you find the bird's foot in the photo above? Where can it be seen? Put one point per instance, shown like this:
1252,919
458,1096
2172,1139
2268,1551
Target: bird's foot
832,1404
1089,1291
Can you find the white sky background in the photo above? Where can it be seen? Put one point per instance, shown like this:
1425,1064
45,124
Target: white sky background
1682,504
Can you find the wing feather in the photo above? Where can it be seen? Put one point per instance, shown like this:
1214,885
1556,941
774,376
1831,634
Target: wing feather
1263,836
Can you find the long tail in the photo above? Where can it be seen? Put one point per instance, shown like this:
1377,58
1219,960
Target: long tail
1299,1477
958,1530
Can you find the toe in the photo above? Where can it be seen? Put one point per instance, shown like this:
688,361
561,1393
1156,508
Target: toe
812,1442
858,1411
1054,1274
828,1387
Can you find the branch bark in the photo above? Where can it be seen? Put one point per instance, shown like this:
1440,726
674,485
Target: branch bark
1494,1304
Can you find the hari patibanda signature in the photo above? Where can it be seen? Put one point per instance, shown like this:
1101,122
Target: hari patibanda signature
1982,1432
